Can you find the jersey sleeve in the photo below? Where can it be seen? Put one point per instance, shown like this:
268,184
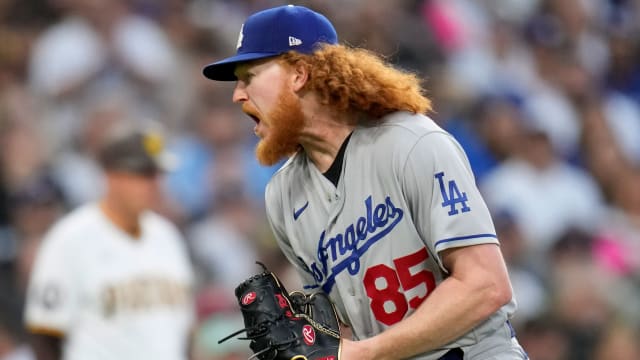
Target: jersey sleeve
53,290
275,212
445,203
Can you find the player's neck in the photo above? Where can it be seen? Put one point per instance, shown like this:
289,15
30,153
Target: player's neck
324,136
121,217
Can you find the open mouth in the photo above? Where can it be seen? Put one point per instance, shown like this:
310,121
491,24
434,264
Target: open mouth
251,114
255,118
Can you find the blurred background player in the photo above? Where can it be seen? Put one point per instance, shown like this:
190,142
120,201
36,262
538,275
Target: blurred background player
112,279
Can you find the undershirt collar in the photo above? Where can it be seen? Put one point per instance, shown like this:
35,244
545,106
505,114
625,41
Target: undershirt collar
334,171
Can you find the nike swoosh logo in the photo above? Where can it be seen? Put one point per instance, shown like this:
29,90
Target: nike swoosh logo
297,213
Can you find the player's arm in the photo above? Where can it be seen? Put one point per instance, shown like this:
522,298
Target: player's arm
46,346
456,226
51,297
477,287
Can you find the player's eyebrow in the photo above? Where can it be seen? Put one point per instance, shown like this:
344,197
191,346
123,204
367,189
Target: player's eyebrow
242,71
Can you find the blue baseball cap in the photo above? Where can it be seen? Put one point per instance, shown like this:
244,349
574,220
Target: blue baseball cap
273,32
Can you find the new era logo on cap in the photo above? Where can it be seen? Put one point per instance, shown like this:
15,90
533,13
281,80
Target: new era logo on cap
273,32
293,41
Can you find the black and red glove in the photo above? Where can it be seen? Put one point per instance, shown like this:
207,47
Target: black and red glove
287,326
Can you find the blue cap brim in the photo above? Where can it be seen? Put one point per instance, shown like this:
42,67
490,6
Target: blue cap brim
223,70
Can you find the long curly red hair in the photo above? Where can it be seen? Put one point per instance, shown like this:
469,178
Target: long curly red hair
356,80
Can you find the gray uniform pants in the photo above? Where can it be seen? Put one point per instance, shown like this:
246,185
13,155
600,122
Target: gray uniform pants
502,346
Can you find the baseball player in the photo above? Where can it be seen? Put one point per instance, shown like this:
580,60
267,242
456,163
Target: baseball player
112,279
377,205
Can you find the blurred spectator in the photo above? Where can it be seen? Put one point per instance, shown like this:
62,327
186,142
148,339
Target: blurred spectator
528,285
620,341
624,73
36,204
99,48
228,226
490,132
578,23
544,339
602,155
619,112
20,23
587,301
415,50
32,197
81,157
623,118
21,154
215,152
546,196
617,246
545,102
493,61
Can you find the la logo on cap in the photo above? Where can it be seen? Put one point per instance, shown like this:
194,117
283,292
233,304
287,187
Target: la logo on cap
240,37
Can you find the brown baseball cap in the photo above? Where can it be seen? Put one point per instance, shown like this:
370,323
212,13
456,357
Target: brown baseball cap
137,151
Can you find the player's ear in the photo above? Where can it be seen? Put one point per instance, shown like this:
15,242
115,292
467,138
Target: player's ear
300,76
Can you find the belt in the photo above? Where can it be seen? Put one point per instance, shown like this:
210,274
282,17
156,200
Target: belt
453,354
458,354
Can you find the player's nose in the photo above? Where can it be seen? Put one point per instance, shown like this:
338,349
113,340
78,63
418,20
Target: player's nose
240,93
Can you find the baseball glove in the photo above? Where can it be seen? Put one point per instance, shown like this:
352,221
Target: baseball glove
286,326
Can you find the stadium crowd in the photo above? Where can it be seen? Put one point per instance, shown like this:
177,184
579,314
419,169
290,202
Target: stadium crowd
544,95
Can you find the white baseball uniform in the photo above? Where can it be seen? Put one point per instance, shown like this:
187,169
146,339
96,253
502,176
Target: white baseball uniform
113,296
406,193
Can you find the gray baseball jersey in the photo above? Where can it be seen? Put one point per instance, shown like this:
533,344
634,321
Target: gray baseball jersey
406,193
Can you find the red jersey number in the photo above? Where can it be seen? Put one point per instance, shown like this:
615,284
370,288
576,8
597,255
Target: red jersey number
386,287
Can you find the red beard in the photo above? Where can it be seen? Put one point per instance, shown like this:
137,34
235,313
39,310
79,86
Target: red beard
287,121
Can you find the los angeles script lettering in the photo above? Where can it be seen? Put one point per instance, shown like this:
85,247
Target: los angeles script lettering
353,242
